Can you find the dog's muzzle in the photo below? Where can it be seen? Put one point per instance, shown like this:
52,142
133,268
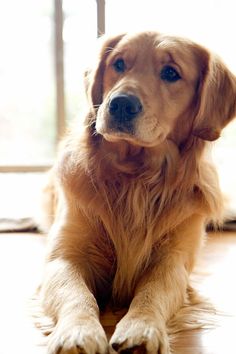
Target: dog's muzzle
123,109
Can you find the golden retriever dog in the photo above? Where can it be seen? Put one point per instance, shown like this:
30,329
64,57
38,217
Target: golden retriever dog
133,192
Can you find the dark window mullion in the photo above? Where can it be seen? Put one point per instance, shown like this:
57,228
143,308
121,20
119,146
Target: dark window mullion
100,17
59,68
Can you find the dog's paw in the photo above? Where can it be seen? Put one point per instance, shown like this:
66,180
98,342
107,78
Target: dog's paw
139,336
85,337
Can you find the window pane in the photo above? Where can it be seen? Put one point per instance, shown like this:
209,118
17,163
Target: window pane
27,105
224,156
80,32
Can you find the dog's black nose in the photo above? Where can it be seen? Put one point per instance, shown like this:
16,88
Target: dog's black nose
124,107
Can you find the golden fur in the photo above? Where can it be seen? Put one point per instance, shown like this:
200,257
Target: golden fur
132,205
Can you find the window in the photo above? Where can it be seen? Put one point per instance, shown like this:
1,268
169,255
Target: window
27,105
43,54
44,49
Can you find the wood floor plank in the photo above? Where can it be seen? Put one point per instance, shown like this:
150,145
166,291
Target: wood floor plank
21,265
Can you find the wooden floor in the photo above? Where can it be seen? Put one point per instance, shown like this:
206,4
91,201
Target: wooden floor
21,261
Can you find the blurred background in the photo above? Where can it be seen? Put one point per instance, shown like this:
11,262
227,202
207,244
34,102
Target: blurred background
45,47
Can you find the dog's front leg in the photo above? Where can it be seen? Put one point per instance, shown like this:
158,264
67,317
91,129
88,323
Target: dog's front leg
160,292
158,296
67,298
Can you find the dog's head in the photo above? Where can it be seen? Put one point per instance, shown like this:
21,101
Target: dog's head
149,87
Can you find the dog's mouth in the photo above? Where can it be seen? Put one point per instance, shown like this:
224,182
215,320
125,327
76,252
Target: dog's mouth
116,135
121,127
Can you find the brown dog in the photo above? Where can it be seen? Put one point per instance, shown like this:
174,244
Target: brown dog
134,192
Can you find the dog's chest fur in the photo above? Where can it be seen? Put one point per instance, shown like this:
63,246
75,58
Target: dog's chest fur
125,210
131,204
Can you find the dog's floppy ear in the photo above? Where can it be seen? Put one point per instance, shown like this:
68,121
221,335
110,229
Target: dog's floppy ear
217,95
93,78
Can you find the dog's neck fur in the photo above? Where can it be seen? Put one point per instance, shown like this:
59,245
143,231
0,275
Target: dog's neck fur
165,173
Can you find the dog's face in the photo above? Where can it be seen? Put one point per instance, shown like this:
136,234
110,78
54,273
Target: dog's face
149,87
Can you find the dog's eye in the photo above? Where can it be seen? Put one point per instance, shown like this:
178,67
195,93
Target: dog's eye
119,65
169,74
